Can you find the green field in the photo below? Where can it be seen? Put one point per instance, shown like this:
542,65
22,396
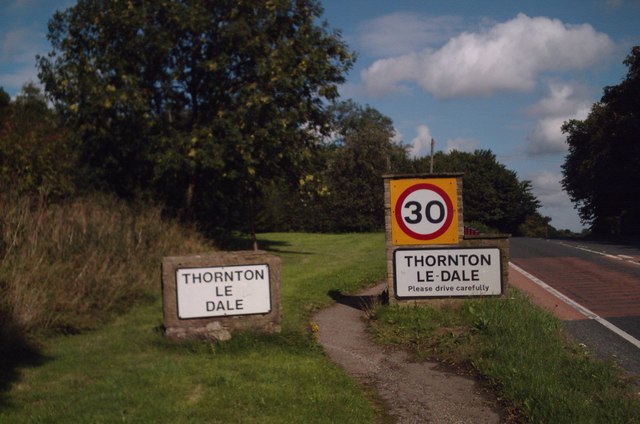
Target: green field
126,371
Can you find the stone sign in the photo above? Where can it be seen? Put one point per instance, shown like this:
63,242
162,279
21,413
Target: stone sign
212,295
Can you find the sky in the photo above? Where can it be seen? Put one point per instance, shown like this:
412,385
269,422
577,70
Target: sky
501,75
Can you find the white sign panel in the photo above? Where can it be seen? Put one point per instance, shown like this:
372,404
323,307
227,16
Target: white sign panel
447,272
223,291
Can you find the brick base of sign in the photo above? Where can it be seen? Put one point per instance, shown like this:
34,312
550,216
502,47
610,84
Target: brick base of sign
211,296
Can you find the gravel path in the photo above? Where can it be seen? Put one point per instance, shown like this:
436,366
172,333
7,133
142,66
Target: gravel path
413,392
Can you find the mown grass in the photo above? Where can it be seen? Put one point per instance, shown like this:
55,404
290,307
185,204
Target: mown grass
315,265
126,371
521,352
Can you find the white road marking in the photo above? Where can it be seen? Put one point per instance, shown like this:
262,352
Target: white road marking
617,257
586,312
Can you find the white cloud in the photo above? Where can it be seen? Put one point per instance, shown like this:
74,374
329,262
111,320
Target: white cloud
555,202
504,57
403,32
547,137
383,76
560,98
462,145
421,144
548,189
397,137
563,101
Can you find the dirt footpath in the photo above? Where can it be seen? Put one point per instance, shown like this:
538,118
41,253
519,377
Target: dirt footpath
413,392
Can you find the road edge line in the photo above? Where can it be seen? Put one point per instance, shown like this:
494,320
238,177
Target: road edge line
624,258
586,312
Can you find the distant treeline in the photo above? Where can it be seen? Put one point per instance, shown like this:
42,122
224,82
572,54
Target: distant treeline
227,115
339,189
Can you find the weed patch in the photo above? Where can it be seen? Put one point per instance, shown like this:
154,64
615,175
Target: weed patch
70,266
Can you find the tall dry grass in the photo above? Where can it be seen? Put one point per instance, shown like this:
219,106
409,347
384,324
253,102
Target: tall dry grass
71,266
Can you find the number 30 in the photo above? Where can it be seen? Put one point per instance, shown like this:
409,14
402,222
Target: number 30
416,212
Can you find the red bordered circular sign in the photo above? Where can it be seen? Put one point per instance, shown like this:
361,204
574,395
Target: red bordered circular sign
424,211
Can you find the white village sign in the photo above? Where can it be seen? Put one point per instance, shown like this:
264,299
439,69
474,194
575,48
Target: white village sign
431,272
223,291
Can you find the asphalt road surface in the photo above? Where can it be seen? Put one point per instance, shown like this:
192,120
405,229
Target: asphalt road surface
602,280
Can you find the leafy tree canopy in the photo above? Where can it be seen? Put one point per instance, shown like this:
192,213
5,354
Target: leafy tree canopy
492,194
363,152
5,99
189,97
601,172
35,157
342,189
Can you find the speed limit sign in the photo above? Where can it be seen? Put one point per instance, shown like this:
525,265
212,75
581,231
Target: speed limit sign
424,211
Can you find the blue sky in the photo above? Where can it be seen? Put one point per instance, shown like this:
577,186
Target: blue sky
500,75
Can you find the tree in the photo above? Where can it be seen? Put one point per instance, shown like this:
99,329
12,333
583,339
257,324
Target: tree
536,225
492,194
362,153
342,189
35,157
206,102
5,100
601,172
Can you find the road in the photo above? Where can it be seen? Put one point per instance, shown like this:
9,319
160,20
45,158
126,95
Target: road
602,280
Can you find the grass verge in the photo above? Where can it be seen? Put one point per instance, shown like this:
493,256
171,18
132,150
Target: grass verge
126,371
521,351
